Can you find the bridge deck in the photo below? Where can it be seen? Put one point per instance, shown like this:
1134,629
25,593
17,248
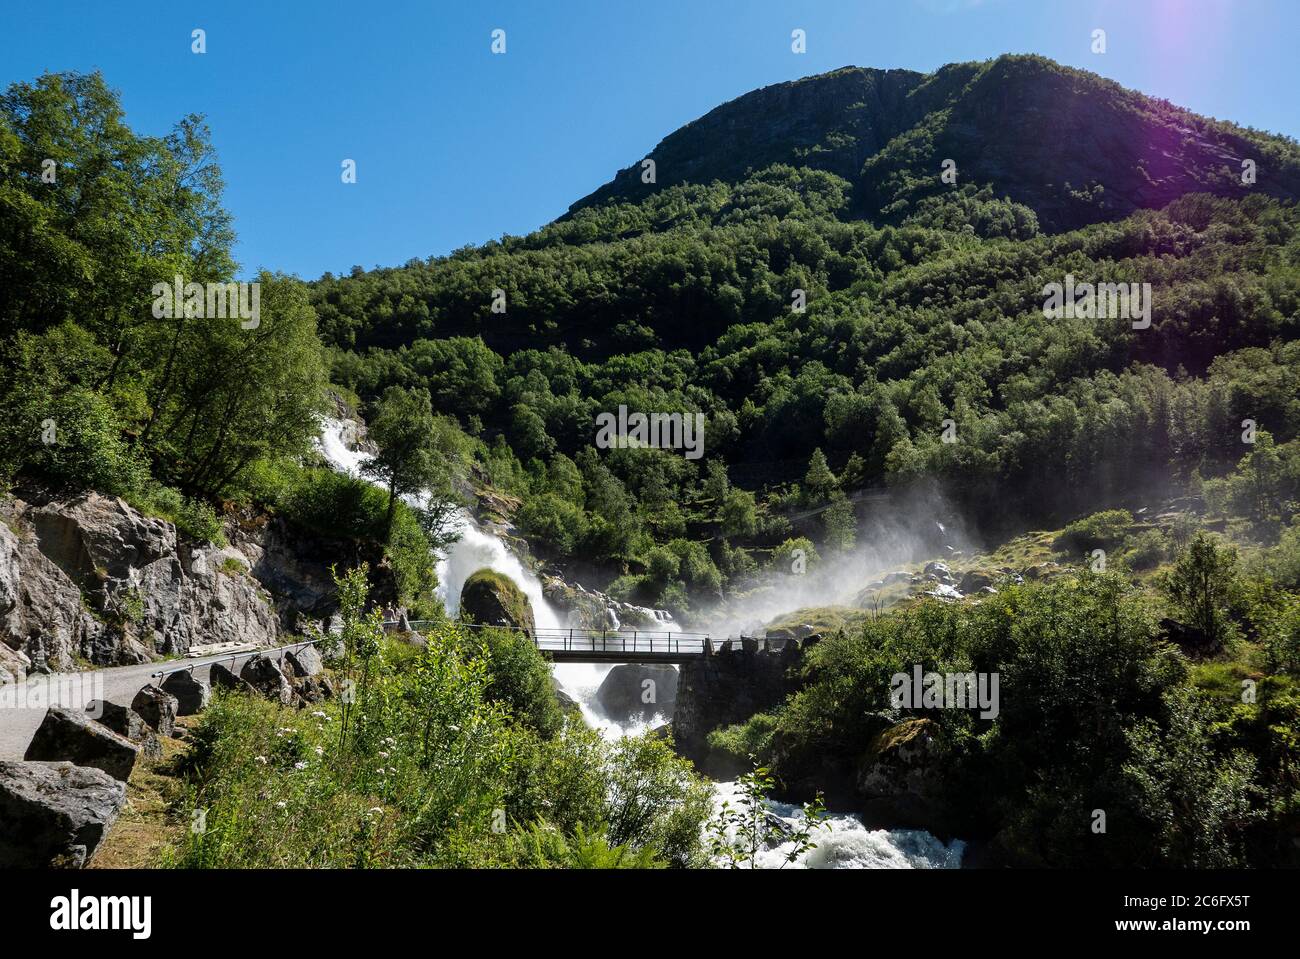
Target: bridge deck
611,656
616,645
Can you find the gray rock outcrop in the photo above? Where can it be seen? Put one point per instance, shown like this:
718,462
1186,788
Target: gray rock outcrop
67,734
634,691
93,579
54,813
158,708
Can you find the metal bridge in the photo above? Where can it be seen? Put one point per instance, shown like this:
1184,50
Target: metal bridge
613,645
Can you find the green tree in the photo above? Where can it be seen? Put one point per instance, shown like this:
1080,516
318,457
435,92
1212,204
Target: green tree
840,521
819,480
737,834
1202,585
413,448
739,513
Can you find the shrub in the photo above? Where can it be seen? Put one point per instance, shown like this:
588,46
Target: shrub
521,679
554,521
193,517
1147,551
1102,530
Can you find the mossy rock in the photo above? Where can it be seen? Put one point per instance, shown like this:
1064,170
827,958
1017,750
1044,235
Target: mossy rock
493,599
899,735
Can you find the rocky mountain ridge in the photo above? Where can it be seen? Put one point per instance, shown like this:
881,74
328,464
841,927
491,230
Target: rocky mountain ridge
1070,145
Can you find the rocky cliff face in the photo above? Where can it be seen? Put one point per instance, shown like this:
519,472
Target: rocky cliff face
90,580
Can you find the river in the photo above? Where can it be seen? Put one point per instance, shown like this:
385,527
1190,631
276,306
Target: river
843,842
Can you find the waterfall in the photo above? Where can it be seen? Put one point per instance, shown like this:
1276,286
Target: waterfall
478,549
846,844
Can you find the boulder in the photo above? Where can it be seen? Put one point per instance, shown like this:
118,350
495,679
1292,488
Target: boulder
493,599
305,661
314,689
221,677
67,734
263,674
940,572
128,723
799,631
54,813
158,708
192,694
900,776
973,581
625,690
1041,571
568,705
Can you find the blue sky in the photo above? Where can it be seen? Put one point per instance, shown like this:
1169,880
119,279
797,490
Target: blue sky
454,145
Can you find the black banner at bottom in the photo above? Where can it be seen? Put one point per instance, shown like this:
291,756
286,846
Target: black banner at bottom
143,909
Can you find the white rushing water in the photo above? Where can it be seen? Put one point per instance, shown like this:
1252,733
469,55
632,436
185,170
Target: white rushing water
843,842
846,844
478,549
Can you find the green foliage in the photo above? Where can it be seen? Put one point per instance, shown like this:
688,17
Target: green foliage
738,834
556,523
333,505
819,480
752,738
1195,801
418,452
1202,584
1264,486
193,517
1104,530
547,848
429,757
840,522
95,388
521,679
795,552
905,325
1079,671
656,801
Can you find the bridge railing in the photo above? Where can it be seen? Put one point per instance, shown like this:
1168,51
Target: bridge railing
619,641
578,640
233,657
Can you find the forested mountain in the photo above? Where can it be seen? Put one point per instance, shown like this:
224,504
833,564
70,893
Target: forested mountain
852,327
1074,147
924,303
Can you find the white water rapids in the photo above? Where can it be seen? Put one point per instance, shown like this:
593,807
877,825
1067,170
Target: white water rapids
843,842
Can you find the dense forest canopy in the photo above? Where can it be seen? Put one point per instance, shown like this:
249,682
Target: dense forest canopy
923,302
